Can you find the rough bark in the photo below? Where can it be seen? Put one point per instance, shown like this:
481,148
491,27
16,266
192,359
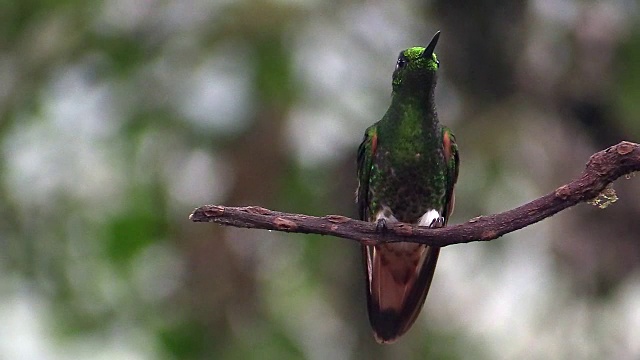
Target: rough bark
601,170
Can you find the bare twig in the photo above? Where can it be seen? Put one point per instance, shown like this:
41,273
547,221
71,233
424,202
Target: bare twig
603,168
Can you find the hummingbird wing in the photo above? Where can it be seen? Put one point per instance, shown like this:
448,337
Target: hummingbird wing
399,275
452,159
366,151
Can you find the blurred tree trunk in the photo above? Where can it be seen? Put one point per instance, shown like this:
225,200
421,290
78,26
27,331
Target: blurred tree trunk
222,283
598,248
484,39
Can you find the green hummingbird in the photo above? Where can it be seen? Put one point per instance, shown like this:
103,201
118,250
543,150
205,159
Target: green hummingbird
407,169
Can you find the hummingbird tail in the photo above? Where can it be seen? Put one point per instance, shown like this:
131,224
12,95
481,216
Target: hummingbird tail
398,279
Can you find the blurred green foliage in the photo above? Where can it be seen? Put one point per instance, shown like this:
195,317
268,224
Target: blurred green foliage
118,117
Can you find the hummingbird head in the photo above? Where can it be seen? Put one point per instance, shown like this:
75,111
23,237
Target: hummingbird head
416,67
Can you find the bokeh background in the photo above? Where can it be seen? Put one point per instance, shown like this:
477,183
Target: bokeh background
118,117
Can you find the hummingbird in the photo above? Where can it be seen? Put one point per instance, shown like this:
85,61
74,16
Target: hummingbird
407,169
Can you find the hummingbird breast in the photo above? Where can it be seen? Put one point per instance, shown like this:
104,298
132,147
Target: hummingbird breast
409,183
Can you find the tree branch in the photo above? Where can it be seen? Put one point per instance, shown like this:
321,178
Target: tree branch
603,168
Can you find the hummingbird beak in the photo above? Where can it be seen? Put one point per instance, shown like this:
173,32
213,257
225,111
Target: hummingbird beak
432,46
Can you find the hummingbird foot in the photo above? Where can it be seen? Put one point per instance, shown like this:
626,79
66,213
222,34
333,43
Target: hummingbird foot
384,216
437,223
431,219
381,225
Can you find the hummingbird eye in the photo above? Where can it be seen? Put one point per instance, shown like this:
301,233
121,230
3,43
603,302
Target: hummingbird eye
401,63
